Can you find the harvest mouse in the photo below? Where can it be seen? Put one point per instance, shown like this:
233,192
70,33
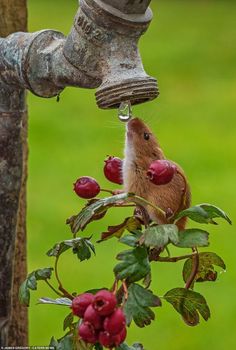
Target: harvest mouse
141,149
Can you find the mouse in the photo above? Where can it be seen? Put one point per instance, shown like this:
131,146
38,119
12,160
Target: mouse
141,149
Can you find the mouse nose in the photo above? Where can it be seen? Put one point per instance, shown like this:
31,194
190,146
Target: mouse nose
133,124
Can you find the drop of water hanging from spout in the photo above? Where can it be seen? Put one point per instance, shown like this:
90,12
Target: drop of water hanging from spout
125,111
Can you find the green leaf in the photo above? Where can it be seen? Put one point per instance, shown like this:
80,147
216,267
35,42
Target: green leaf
83,249
204,213
206,271
189,304
79,222
31,283
98,346
134,266
159,236
131,224
68,321
43,274
135,346
137,307
193,238
24,294
130,240
66,343
80,246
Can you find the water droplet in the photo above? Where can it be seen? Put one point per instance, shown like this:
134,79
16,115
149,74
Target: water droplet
125,111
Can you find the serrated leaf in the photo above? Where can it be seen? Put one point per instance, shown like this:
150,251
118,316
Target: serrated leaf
68,321
134,266
135,346
83,249
159,236
80,246
66,343
204,213
31,283
58,249
137,306
80,221
53,343
206,271
193,238
189,304
130,240
130,224
58,301
43,274
98,346
24,294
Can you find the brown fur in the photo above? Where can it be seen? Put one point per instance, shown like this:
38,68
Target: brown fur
139,154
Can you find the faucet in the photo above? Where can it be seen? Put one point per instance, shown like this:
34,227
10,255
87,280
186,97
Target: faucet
100,52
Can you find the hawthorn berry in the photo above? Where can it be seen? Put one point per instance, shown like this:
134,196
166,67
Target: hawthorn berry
122,335
88,333
108,340
86,187
80,303
161,171
104,302
114,323
113,170
92,316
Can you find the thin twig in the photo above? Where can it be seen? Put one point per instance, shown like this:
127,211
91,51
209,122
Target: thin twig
61,288
141,199
176,258
195,265
55,291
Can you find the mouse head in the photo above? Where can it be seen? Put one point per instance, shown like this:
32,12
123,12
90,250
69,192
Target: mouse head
141,142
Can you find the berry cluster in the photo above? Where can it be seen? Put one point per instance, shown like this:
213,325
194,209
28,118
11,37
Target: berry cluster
160,172
87,187
103,321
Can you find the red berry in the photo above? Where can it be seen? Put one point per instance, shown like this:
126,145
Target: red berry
86,187
87,333
93,317
114,323
104,302
161,172
122,335
80,303
108,340
113,170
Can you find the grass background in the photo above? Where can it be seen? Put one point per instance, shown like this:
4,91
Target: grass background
190,48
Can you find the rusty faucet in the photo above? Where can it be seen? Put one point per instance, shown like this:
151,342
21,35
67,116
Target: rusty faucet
100,52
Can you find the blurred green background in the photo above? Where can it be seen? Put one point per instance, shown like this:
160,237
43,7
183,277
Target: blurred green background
190,48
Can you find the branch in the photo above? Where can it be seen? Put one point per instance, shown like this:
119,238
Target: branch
195,265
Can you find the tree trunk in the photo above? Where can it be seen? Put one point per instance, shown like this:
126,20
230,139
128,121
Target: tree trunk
13,174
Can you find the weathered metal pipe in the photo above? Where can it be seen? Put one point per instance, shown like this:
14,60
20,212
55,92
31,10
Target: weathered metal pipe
101,52
129,6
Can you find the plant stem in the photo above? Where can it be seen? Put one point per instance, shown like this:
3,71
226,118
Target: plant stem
124,205
55,291
176,258
105,190
142,200
195,265
61,288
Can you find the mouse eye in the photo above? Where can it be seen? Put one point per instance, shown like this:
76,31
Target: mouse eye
146,136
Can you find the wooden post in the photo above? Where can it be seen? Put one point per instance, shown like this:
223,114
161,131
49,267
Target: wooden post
13,173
